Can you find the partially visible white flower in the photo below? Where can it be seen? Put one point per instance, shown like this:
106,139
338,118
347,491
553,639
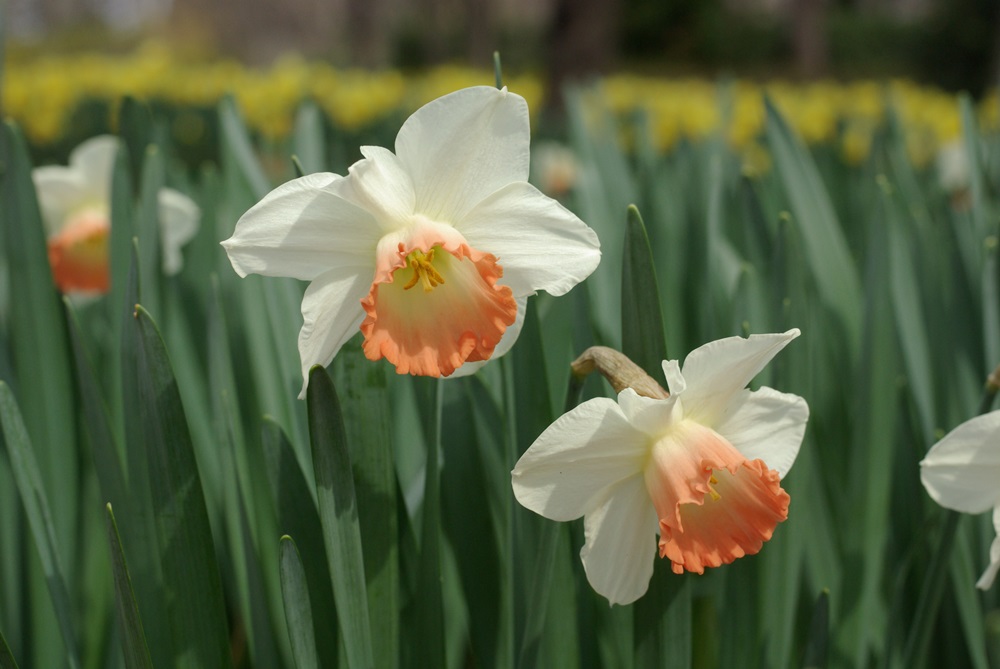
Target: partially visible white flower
555,167
953,166
702,468
962,472
75,203
431,250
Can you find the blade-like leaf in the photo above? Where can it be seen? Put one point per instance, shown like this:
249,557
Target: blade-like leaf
819,634
338,512
832,266
29,484
133,638
298,614
43,381
237,143
6,657
642,321
297,516
367,423
190,571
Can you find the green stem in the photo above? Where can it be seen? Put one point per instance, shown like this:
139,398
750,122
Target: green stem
432,621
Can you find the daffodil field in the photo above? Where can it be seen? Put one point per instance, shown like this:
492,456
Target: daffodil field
168,294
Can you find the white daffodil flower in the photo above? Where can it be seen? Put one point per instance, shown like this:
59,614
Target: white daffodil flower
75,203
431,251
962,472
702,468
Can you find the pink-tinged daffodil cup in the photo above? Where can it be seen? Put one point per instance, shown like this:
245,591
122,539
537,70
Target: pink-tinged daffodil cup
962,472
430,251
75,203
701,468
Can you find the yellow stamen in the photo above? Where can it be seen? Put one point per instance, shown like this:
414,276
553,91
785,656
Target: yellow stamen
711,491
423,270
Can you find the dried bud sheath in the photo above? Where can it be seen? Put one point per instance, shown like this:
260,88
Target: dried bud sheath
620,372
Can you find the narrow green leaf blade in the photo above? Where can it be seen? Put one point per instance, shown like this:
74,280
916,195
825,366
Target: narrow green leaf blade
133,638
822,236
642,319
29,484
819,634
6,657
338,512
297,516
298,613
38,340
190,570
236,142
367,424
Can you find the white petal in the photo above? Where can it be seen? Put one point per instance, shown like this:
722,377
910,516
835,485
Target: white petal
461,147
381,186
94,159
962,471
577,459
540,244
676,384
503,346
649,415
179,217
986,580
332,314
60,190
302,229
620,547
716,372
768,425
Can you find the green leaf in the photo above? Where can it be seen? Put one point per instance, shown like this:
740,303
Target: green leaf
97,424
469,517
875,416
29,484
298,614
155,415
297,516
430,598
236,142
137,518
819,634
6,657
133,638
309,139
147,228
135,125
367,423
338,513
826,250
642,321
41,358
662,620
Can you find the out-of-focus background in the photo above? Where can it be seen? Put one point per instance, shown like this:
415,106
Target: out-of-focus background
950,43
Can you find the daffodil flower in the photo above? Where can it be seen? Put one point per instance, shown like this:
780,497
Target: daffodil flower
431,251
702,468
75,203
962,472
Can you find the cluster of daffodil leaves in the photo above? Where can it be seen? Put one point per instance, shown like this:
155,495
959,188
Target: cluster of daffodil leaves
181,487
